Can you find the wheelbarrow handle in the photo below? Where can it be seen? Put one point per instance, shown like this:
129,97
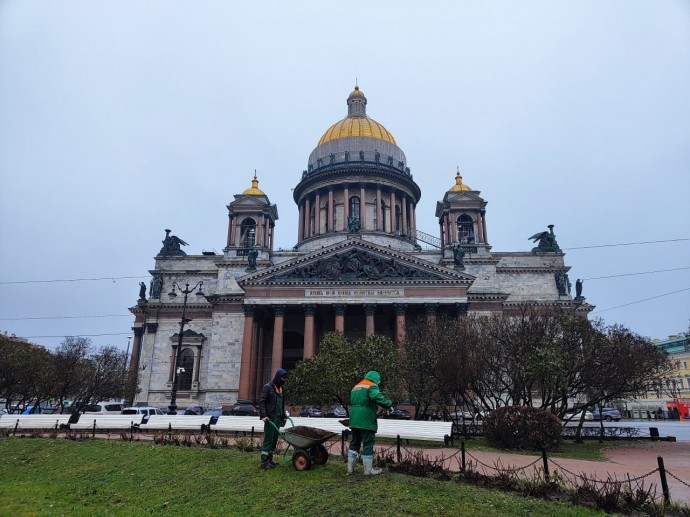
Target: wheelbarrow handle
278,428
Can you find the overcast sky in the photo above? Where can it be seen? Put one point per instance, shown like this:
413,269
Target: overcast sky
121,119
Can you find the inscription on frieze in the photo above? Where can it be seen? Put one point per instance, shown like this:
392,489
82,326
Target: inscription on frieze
353,292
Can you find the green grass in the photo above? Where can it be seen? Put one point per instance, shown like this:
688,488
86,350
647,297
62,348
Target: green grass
46,476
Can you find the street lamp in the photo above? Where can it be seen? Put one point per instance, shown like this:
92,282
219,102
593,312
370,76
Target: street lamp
172,408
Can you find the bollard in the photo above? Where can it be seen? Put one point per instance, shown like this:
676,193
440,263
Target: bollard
664,482
462,454
654,433
546,465
93,433
398,449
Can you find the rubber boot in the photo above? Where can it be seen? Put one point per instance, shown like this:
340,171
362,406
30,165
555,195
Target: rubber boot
351,461
270,460
369,469
266,463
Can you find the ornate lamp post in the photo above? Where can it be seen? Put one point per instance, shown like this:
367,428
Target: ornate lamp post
172,408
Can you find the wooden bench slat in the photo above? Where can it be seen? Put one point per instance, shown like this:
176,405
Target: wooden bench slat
238,424
177,422
104,422
33,421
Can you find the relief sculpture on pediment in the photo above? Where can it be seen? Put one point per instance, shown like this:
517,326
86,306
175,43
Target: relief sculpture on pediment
355,265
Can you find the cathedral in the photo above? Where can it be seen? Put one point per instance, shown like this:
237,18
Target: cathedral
214,327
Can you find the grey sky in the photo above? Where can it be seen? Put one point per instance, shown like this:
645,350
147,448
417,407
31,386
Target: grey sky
121,119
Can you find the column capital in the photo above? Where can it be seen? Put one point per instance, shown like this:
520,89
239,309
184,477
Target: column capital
309,309
248,310
431,308
370,309
279,310
138,331
400,309
339,308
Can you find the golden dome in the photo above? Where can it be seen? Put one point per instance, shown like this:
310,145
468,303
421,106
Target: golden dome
357,126
254,190
357,123
459,186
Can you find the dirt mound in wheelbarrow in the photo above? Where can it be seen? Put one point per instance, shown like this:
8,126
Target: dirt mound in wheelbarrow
309,432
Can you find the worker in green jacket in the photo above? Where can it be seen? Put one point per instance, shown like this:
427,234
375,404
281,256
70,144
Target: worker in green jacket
364,399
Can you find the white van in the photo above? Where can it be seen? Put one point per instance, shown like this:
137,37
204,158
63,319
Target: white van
142,410
103,408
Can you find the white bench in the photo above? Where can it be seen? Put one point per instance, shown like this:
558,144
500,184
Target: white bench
238,424
28,422
415,430
106,422
326,424
176,423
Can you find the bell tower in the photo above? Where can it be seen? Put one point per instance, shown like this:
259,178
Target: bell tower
251,223
462,219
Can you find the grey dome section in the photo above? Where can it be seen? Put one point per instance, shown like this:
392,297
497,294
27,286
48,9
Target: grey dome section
357,149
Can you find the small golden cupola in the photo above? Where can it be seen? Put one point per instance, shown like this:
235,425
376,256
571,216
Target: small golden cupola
459,186
254,190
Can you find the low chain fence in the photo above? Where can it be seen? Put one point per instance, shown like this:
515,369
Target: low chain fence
542,477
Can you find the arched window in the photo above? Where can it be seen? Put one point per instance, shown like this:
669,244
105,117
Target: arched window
465,229
184,378
354,207
398,219
248,233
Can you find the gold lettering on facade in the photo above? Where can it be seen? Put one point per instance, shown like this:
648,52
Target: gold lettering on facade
353,292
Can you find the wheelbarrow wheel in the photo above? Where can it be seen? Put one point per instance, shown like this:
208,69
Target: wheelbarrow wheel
301,460
319,454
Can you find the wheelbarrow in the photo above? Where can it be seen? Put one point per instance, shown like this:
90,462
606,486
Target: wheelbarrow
307,443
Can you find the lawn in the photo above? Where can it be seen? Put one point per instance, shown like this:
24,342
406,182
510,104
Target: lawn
43,476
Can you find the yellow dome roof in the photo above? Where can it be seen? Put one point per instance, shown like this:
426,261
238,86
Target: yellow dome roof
357,123
459,186
357,126
254,190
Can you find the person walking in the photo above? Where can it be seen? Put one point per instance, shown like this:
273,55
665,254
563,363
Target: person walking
364,399
272,412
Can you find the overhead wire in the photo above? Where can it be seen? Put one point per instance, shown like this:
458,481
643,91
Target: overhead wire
138,277
639,301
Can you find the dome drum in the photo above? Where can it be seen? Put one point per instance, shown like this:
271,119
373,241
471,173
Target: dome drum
358,149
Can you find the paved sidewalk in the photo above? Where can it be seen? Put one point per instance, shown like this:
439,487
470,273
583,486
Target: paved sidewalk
633,461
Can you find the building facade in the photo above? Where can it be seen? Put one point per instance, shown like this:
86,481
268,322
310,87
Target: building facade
359,266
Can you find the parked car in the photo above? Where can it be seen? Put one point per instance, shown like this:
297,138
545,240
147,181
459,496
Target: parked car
244,408
576,416
103,408
142,410
193,410
336,411
609,414
398,414
464,414
213,412
311,411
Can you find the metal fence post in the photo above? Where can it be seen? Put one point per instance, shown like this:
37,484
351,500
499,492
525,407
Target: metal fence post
398,442
546,465
462,454
664,482
93,433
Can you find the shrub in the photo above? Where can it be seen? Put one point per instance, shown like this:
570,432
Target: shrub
523,427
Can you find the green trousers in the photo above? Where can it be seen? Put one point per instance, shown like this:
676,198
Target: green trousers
270,439
365,438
